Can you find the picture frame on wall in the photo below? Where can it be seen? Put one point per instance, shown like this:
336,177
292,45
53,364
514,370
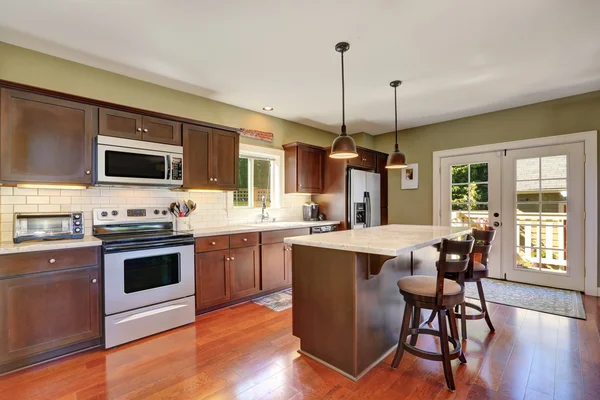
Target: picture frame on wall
410,177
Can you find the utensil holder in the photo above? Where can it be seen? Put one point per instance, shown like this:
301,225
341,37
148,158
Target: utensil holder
183,224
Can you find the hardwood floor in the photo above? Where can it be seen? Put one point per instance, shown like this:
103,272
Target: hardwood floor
248,352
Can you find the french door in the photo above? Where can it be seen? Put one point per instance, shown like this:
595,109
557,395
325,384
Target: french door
534,198
472,188
543,205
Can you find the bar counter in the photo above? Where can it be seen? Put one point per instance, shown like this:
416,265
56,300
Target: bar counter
346,306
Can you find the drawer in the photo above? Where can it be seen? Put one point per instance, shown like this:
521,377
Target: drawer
211,243
278,236
243,240
51,260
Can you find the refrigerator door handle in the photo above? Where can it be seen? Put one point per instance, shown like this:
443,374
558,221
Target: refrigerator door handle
368,210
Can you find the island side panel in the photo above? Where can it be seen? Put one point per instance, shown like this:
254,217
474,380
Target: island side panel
380,306
324,305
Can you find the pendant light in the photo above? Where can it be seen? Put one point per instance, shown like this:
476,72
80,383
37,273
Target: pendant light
397,159
343,146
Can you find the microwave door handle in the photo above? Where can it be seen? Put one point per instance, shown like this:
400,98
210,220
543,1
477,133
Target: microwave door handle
168,169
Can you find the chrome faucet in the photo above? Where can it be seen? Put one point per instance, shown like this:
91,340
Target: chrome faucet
264,216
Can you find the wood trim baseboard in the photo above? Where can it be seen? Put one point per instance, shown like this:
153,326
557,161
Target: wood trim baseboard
241,300
50,355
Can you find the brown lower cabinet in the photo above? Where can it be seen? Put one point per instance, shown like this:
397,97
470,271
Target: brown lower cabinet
276,266
244,271
244,266
50,312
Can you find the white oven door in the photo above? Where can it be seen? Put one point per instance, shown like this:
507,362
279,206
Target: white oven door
139,278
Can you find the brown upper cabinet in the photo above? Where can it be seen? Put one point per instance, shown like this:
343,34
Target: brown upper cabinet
138,127
211,158
45,139
366,159
304,166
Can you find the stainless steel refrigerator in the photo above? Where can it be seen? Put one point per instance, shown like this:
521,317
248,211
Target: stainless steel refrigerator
364,198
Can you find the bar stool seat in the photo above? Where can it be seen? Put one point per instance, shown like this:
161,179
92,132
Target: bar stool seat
421,285
440,295
477,266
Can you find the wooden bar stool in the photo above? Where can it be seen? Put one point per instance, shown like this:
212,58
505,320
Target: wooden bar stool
476,271
440,295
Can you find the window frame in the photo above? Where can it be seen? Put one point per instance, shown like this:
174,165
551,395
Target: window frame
277,175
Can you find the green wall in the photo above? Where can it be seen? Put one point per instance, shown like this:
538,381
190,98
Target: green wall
37,69
557,117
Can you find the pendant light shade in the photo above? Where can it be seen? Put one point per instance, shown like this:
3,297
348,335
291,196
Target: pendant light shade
343,146
397,159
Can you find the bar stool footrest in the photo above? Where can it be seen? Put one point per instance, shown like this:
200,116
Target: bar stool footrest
480,315
430,355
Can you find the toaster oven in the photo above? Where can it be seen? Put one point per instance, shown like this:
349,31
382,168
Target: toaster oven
44,226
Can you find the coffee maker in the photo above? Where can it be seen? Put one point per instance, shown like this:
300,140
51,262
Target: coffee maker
310,211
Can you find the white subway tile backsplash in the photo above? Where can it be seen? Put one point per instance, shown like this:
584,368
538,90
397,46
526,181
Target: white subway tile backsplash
49,192
60,200
212,207
26,208
12,199
49,208
24,192
38,200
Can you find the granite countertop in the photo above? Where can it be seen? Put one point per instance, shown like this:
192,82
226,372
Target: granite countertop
43,245
387,240
88,240
259,227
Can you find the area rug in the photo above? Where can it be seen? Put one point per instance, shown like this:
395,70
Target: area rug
566,303
277,301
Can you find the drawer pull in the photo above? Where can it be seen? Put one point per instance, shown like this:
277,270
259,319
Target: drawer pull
52,261
245,239
94,280
213,243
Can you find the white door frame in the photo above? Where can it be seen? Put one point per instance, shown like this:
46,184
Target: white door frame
590,140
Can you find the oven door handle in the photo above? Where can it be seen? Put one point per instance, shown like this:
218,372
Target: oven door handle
146,246
168,158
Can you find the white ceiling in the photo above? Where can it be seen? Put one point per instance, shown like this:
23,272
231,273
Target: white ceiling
456,58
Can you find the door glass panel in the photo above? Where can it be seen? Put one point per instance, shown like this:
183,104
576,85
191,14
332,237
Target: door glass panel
469,195
554,261
133,165
460,173
151,272
528,168
554,167
528,258
541,213
528,235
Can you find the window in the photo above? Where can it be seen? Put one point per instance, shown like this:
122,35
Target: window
256,180
470,195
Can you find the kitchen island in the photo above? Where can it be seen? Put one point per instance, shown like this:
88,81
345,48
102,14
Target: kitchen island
346,306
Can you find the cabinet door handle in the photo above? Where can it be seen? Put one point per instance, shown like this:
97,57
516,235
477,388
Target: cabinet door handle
232,258
215,179
211,179
88,172
227,258
145,130
94,280
213,243
52,261
139,129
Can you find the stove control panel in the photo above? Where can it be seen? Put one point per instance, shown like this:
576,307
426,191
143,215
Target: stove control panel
110,216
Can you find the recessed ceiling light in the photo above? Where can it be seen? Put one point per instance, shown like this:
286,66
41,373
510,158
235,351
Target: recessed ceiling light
268,108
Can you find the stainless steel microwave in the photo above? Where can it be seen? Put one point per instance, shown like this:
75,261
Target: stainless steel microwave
135,162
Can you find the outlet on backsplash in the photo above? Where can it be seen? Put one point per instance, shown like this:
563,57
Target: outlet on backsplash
211,206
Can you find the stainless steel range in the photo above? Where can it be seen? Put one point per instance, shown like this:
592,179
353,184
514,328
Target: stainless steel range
148,273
